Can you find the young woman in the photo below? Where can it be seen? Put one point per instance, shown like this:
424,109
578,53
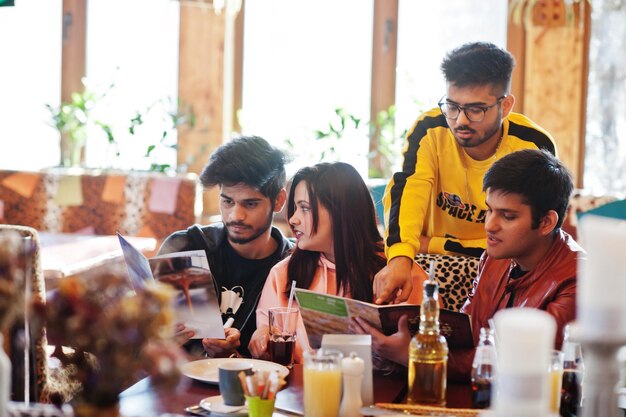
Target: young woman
339,248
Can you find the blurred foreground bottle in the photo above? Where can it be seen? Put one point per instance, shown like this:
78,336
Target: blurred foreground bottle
484,369
573,372
428,353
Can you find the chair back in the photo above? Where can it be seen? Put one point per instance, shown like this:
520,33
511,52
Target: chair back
29,371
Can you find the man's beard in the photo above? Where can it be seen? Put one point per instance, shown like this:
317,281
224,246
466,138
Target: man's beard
488,135
255,232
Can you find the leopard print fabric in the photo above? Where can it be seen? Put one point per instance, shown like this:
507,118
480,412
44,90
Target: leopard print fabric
455,275
581,202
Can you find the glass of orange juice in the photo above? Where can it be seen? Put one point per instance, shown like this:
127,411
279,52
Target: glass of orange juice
555,376
322,382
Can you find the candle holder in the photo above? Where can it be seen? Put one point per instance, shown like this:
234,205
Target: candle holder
601,372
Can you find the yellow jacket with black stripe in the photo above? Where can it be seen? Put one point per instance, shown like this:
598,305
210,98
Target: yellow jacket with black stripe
439,193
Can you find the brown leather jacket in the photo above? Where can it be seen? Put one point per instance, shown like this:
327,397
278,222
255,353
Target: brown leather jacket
551,286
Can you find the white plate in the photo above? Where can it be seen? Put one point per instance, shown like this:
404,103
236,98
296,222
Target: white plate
216,406
206,370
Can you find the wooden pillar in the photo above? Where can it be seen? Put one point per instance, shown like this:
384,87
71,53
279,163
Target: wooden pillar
73,53
516,44
384,57
202,50
238,67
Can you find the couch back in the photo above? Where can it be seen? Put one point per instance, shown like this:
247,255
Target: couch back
100,202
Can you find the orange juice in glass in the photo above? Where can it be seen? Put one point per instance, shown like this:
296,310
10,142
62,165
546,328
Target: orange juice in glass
322,383
555,374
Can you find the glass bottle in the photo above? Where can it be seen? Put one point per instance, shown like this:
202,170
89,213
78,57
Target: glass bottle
484,369
573,372
428,354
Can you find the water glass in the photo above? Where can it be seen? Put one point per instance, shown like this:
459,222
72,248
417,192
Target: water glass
322,382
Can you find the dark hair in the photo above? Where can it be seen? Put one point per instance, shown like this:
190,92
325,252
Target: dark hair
248,160
479,63
538,176
358,245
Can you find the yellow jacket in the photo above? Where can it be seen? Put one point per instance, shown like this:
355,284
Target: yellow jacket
439,193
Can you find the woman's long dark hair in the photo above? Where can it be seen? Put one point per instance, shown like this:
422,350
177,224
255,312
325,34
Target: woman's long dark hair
357,242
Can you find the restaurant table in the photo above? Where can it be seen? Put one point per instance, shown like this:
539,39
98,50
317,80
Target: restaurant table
144,399
65,254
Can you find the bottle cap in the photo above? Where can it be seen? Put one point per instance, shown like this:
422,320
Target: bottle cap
430,287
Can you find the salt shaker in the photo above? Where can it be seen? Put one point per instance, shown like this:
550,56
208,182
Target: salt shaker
352,368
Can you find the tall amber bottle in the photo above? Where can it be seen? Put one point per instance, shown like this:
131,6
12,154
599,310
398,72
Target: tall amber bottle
428,354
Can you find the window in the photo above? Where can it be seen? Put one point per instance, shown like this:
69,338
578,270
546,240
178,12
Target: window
134,45
605,153
29,78
426,32
302,60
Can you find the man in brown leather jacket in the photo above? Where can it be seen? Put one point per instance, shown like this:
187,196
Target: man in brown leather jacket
529,260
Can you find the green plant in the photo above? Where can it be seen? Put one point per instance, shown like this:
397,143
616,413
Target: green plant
169,121
388,144
381,134
71,120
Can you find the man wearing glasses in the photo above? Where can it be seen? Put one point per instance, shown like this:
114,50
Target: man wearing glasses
436,203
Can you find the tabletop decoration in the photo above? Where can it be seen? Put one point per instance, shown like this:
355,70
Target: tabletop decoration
114,333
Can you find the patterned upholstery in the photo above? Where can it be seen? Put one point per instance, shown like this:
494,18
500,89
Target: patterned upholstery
97,202
455,275
581,202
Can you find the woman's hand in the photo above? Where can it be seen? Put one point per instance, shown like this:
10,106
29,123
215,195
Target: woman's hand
258,343
222,348
394,347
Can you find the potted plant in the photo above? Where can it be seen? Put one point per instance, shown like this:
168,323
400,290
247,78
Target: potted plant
72,118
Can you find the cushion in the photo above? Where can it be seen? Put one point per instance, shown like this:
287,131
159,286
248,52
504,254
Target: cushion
455,275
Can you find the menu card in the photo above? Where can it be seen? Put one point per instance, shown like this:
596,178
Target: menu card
188,272
330,314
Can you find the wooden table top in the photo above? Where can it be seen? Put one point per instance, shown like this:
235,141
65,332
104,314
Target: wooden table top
143,399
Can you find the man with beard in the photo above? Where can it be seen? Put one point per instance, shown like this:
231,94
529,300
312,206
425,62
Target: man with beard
436,203
244,246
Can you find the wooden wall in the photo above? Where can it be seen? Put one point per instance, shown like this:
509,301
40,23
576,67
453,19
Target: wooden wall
552,78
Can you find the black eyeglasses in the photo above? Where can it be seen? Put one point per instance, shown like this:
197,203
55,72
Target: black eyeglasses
473,113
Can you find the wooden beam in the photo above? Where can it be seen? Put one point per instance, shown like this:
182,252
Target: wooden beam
238,68
384,58
516,44
73,55
201,84
74,47
583,11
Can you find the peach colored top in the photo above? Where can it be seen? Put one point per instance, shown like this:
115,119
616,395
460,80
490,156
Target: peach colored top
324,281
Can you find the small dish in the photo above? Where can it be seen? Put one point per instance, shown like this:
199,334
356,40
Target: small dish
216,406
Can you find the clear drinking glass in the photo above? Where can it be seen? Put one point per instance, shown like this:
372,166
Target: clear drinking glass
572,386
555,376
283,322
322,382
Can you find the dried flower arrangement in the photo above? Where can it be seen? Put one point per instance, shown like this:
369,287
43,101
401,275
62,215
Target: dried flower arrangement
113,332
